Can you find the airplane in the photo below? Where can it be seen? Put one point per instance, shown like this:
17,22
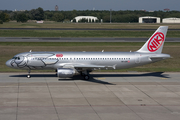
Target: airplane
67,64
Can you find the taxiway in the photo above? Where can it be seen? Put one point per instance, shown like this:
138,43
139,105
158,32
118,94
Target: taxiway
106,96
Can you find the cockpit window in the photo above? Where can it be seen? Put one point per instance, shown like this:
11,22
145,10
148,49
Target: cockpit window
16,58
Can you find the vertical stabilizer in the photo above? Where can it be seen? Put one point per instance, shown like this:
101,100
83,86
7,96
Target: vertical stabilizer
155,42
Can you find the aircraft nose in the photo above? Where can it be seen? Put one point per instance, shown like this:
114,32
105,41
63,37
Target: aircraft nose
8,63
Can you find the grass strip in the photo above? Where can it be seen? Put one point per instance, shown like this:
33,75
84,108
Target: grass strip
51,24
123,44
79,33
107,44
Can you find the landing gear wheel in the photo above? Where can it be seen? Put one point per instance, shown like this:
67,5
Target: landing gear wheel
28,76
86,77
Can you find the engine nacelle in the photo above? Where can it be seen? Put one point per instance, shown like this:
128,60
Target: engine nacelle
65,72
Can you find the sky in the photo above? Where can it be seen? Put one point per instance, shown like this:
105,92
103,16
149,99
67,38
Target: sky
148,5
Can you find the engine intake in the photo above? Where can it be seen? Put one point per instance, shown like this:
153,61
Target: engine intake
65,72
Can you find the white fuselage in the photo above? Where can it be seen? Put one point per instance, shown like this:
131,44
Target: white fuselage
105,60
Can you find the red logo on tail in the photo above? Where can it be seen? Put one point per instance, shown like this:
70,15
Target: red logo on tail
155,42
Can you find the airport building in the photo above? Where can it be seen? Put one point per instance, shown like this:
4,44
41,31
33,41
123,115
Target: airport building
88,18
171,20
149,19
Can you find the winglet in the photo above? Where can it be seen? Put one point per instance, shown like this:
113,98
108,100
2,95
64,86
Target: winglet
155,42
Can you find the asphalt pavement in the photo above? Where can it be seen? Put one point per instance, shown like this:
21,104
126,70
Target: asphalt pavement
106,96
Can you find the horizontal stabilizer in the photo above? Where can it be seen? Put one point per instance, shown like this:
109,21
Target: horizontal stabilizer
159,57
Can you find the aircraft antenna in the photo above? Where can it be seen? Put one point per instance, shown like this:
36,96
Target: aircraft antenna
102,50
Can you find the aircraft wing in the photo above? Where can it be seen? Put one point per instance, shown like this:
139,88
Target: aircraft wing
86,66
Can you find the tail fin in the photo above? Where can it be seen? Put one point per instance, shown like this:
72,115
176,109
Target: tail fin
156,41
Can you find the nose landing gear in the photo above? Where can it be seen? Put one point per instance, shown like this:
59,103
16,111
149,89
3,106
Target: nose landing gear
29,76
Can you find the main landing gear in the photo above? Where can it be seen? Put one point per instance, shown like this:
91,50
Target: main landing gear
29,76
85,75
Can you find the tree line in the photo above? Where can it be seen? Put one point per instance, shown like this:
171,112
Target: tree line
126,16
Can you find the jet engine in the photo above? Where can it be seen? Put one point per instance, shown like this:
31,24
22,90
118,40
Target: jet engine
65,72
